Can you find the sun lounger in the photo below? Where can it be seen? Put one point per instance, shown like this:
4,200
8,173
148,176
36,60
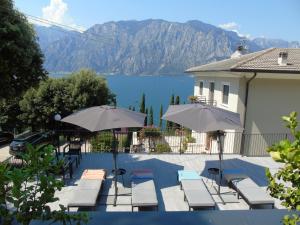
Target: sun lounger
245,187
99,174
253,194
197,195
143,190
187,175
85,194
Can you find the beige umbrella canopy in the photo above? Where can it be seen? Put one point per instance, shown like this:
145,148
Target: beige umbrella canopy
106,117
205,118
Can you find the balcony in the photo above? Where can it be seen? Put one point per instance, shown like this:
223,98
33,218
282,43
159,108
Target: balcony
203,100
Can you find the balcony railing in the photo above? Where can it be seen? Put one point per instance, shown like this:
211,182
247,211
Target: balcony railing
203,100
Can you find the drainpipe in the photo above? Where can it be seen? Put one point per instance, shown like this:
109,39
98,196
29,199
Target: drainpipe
242,151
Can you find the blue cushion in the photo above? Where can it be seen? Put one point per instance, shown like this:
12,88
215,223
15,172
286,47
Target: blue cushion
188,175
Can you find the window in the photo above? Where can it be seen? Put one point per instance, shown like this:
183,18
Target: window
211,95
201,84
225,93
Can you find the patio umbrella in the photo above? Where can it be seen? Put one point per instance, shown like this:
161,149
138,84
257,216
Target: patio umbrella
205,118
105,117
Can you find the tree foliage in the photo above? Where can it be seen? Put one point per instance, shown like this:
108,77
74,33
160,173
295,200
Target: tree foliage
285,184
102,142
151,122
170,125
193,99
31,188
160,115
177,100
64,96
146,118
143,104
152,134
21,61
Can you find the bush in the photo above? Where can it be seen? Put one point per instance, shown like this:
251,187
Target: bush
25,193
188,139
102,142
288,153
150,132
162,148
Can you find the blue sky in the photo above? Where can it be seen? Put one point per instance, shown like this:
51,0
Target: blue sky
268,18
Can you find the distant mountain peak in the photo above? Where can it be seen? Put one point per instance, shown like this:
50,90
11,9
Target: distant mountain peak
150,46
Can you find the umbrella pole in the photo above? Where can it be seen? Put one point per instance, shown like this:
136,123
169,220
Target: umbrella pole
220,163
115,166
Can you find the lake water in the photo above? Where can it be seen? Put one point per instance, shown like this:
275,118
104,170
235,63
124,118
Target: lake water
158,90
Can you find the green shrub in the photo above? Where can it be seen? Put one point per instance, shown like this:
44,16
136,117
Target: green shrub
162,148
287,152
102,142
188,139
150,132
25,193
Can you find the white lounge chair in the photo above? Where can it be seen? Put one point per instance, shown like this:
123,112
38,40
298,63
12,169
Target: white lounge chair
143,190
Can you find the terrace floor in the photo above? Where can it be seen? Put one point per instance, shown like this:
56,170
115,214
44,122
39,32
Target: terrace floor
165,167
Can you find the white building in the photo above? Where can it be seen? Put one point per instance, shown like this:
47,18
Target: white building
261,86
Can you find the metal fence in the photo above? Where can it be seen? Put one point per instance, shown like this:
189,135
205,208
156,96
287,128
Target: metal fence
176,141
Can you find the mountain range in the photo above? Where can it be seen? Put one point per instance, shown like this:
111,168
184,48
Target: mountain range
143,47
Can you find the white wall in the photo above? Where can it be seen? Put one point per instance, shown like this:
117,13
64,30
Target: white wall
233,97
234,103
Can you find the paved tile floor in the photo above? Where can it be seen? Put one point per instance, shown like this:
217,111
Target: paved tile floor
165,167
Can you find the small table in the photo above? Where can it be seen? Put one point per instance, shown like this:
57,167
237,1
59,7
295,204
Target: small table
120,172
213,173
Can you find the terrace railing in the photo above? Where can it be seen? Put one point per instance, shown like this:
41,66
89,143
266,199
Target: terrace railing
176,141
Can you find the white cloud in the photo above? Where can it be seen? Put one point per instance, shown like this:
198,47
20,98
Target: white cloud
57,11
230,26
233,26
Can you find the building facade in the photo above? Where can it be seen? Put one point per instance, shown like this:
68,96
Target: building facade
262,87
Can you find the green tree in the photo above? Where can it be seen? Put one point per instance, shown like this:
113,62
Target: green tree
21,62
288,153
169,123
63,95
172,100
177,100
143,104
160,116
151,116
146,118
26,192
